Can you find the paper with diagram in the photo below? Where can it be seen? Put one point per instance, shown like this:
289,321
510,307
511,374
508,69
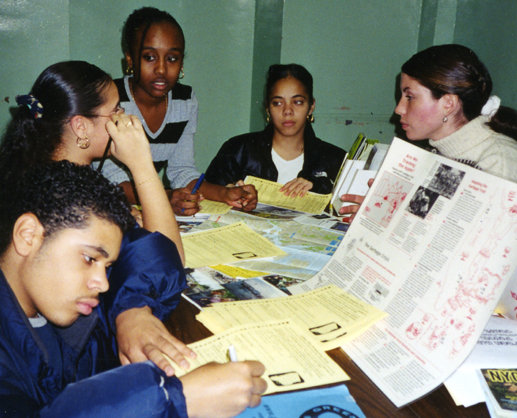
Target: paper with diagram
434,245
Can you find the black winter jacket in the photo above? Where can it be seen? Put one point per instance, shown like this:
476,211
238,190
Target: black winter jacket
250,154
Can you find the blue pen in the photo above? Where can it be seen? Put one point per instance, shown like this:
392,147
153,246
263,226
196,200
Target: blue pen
196,187
198,183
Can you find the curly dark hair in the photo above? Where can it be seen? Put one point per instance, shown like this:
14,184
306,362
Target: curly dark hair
62,195
141,20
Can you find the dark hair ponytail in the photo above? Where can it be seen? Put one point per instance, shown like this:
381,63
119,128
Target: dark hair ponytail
456,69
64,90
505,121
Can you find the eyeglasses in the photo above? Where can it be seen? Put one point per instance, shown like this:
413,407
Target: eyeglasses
118,111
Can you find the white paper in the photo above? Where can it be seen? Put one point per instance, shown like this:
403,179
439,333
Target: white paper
495,349
434,245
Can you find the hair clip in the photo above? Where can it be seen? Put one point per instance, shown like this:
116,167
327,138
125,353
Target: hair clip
491,106
35,107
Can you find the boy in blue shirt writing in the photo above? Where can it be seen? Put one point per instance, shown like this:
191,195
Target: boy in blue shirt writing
58,235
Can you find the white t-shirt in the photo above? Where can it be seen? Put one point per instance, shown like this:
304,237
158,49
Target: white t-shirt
287,170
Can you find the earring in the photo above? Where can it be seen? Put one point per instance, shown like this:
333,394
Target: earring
182,74
310,118
268,118
129,70
82,143
445,119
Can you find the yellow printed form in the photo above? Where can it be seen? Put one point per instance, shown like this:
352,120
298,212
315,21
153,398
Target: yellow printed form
329,314
270,194
290,358
227,244
214,208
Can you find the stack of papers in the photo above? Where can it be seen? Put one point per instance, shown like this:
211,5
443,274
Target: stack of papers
495,348
291,360
359,166
330,315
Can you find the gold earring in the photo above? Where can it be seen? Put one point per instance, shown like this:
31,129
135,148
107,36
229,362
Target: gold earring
310,118
129,70
268,118
182,74
82,143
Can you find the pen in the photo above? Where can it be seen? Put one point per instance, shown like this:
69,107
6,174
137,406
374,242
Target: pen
106,150
198,183
196,187
232,353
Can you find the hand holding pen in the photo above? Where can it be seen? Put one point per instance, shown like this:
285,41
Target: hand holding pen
198,184
185,202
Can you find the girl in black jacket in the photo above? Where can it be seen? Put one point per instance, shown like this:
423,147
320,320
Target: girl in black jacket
287,150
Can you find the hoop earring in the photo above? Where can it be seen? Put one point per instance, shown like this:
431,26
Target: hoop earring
82,143
445,119
129,70
182,74
310,118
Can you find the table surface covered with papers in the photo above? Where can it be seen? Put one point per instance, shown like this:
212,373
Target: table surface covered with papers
308,242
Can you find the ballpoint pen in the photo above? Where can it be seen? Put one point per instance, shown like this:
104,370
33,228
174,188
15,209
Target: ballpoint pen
196,187
198,183
105,155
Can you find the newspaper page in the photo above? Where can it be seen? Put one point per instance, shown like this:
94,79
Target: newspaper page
291,360
269,193
433,245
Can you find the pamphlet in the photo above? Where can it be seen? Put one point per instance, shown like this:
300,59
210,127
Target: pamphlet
434,245
495,348
226,244
287,352
360,165
269,193
500,387
330,315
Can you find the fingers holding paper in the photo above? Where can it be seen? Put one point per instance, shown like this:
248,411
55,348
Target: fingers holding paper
351,210
297,187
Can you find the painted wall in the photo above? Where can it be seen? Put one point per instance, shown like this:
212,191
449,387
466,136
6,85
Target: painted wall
489,28
353,48
218,61
31,38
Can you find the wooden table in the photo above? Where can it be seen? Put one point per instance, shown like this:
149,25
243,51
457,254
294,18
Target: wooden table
372,401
